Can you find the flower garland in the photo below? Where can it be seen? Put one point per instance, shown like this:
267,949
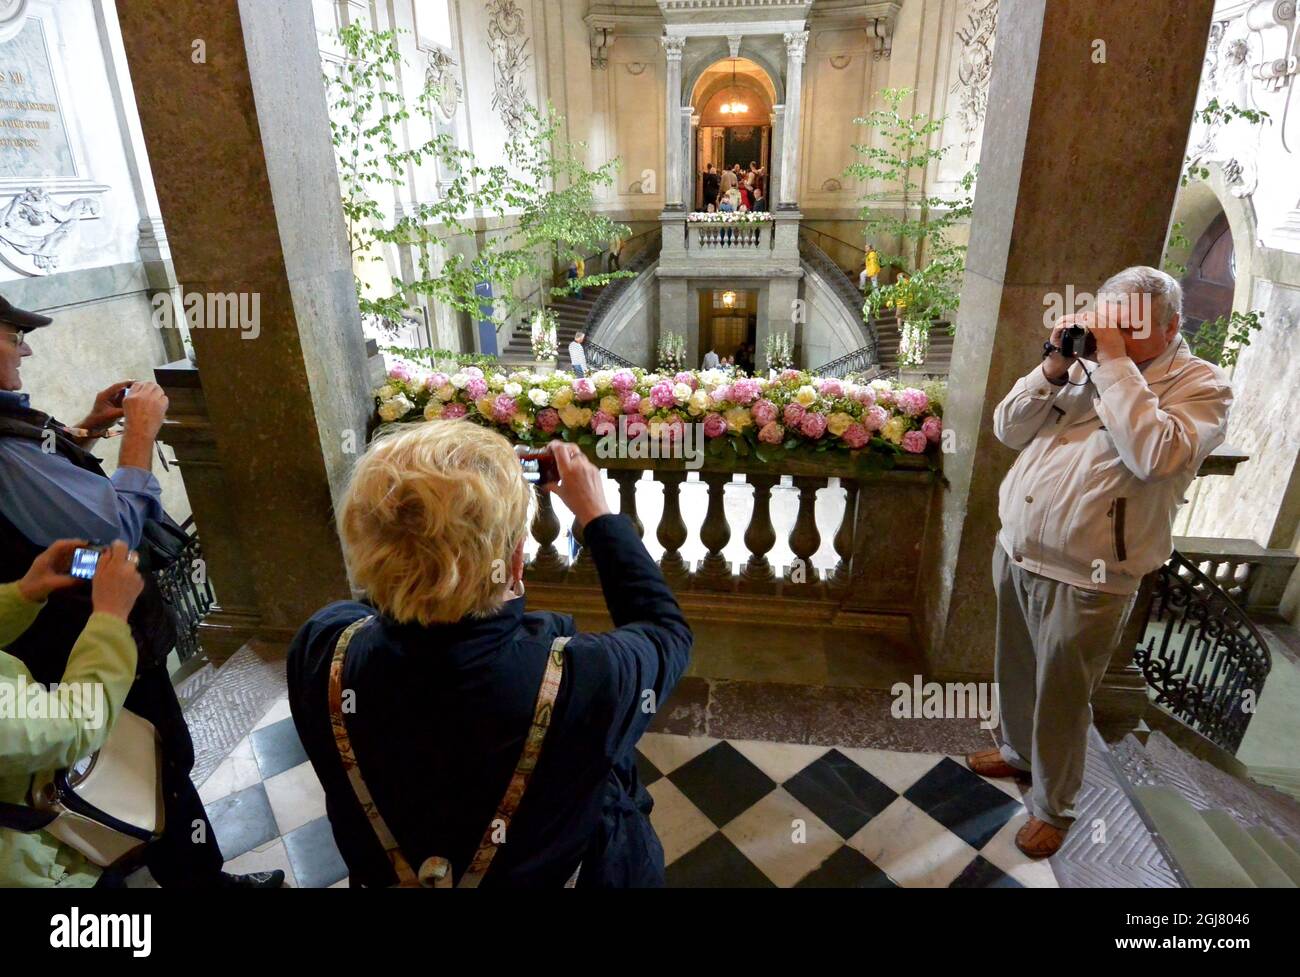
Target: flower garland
729,217
793,412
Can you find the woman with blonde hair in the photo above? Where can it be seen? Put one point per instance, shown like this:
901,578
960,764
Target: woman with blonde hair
459,738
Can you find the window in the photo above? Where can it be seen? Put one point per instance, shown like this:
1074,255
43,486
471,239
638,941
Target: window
433,23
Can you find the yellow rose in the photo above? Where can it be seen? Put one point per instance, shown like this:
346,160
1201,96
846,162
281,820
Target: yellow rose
894,429
484,406
521,421
838,423
446,392
698,403
611,405
562,397
807,396
738,418
433,411
572,416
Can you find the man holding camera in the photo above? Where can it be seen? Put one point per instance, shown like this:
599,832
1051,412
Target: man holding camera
51,488
1107,451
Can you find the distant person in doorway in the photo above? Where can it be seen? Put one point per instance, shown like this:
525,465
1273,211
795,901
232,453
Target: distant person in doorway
760,202
712,184
728,182
578,355
711,360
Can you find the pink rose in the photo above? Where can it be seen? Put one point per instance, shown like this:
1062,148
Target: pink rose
764,413
874,419
436,381
661,395
855,436
911,401
548,419
503,409
454,412
914,442
772,433
932,429
715,426
400,372
601,423
788,375
813,424
744,391
831,388
631,403
584,389
476,389
793,415
623,381
688,379
635,426
720,394
885,396
673,429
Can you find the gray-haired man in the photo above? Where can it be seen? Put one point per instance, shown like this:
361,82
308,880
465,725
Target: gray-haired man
1107,451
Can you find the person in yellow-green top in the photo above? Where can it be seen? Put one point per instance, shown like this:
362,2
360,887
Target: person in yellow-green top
870,269
104,655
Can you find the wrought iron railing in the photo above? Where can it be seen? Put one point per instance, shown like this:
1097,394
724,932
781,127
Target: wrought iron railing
610,293
861,362
845,290
1201,654
600,358
188,592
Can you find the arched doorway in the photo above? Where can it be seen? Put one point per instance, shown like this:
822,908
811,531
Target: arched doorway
1211,279
733,99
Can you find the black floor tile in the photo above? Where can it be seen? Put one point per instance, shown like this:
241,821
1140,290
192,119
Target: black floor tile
840,792
316,861
277,748
243,821
716,864
983,874
963,802
646,770
848,868
722,783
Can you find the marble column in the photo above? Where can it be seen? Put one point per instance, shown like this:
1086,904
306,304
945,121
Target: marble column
672,183
247,184
1062,201
796,45
690,152
778,152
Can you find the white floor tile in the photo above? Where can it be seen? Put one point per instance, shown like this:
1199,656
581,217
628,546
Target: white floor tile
913,848
668,751
277,712
895,770
782,837
296,797
679,824
234,773
1001,850
266,858
780,761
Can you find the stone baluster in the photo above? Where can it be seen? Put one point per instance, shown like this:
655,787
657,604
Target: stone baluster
627,481
548,564
672,531
583,569
839,580
805,540
714,571
757,576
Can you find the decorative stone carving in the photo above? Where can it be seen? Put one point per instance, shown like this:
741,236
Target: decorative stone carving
796,45
733,42
441,74
882,29
841,61
636,67
510,58
13,14
673,46
975,67
35,230
602,39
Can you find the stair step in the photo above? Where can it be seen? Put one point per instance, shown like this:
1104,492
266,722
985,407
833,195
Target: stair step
1284,779
1284,855
1265,872
1205,861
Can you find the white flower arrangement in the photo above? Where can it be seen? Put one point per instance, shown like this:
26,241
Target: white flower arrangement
729,217
780,353
545,345
672,353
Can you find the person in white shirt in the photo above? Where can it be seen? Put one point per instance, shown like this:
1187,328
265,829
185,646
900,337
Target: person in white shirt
710,360
578,355
1107,452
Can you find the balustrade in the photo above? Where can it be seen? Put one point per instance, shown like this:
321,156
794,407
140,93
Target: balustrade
728,238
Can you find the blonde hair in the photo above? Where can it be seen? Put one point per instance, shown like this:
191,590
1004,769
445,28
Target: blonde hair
426,516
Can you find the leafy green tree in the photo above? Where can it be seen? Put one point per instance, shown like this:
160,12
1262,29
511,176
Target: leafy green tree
544,189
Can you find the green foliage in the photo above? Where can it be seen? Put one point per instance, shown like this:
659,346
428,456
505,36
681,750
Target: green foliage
545,191
431,357
1222,340
923,223
1178,241
1214,114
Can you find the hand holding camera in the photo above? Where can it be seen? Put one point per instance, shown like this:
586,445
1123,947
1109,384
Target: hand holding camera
50,571
117,581
569,474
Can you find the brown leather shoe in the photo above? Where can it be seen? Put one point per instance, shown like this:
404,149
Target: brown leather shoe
1038,839
989,763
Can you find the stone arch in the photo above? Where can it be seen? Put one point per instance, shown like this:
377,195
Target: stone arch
1199,205
721,53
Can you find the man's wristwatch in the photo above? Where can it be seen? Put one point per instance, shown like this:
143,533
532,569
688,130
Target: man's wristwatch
1049,349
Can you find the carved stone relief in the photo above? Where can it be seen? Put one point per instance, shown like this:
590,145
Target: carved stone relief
510,59
35,230
441,73
974,68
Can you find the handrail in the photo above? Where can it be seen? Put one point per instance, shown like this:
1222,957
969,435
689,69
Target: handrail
600,358
844,289
1212,677
611,292
838,240
859,361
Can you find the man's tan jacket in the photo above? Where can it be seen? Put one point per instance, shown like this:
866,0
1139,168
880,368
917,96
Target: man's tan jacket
1104,465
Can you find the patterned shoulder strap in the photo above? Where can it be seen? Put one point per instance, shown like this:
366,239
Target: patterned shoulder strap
528,759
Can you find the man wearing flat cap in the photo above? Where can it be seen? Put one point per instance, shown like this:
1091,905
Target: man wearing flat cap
52,488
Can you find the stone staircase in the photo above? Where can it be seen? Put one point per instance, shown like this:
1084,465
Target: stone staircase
938,362
572,312
1219,831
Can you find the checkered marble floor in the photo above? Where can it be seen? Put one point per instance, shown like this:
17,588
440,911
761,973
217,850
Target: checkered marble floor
730,813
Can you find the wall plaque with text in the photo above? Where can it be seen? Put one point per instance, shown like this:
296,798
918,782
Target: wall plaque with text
34,141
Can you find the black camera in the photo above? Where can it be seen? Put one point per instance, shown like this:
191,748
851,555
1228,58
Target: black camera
1076,342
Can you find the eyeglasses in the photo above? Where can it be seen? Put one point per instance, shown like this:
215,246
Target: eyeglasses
18,338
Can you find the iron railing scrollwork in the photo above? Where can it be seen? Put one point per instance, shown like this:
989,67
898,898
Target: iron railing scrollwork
600,358
186,589
861,362
1201,654
845,289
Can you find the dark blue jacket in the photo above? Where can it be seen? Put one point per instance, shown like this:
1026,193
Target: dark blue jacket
440,719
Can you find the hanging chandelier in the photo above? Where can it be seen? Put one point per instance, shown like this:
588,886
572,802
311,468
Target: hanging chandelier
729,300
735,106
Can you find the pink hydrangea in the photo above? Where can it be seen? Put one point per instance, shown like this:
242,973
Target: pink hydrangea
764,413
932,429
454,412
831,388
914,442
772,433
503,409
855,436
885,396
473,371
720,394
912,401
584,389
548,419
623,382
813,424
788,375
436,381
745,391
476,389
632,403
400,372
715,426
793,415
874,419
661,395
688,379
635,426
865,396
603,423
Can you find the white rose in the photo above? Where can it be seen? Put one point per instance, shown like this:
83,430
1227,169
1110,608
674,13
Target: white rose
459,381
512,389
682,392
603,379
386,392
395,409
539,396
